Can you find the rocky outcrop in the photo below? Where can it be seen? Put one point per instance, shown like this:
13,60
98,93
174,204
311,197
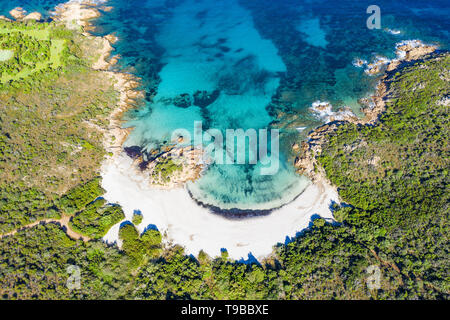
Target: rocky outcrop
171,166
5,18
359,62
112,38
306,162
410,50
106,8
75,15
324,110
377,65
18,13
406,51
116,135
104,53
35,16
415,49
374,105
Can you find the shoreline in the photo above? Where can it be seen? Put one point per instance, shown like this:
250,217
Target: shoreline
184,222
195,228
78,14
306,162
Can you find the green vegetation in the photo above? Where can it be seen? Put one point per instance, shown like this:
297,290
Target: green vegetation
137,218
164,169
392,175
321,264
81,196
33,264
395,177
51,122
97,219
37,50
139,248
21,207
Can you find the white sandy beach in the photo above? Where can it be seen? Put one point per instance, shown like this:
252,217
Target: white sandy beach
185,223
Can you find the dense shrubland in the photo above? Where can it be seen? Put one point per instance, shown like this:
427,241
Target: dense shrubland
33,264
51,121
395,176
97,219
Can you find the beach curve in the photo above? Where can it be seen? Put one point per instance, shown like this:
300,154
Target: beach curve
183,222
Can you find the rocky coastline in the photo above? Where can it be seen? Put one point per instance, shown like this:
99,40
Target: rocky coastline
77,15
306,160
19,14
170,167
407,50
186,163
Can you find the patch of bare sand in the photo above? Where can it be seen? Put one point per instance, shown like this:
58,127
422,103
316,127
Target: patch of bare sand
193,227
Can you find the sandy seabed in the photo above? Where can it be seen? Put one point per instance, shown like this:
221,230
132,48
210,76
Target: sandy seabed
185,223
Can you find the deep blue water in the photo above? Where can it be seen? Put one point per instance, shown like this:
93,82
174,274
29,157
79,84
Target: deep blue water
262,63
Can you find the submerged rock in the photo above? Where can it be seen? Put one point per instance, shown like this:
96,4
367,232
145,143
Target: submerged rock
183,100
203,98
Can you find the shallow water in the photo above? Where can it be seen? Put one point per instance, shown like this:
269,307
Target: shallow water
260,59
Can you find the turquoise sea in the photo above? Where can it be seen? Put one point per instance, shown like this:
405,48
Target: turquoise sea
251,64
